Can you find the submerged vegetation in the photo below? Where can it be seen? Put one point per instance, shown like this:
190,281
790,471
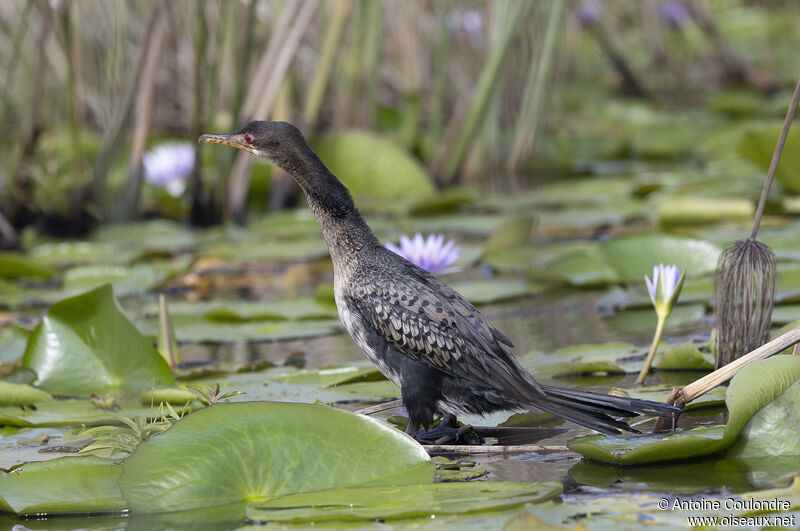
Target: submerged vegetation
169,343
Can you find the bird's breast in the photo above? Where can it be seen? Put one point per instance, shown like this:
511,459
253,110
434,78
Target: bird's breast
360,331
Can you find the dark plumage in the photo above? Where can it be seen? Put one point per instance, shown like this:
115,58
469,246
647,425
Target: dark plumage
421,333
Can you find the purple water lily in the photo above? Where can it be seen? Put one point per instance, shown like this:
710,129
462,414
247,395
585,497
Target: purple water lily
590,11
169,165
670,276
664,290
432,253
675,13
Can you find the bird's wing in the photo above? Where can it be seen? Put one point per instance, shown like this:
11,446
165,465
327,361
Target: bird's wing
422,317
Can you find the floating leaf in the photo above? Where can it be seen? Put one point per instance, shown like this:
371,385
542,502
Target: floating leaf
487,290
21,395
373,166
14,265
773,430
389,503
13,340
758,146
84,345
701,210
635,255
238,452
512,233
684,356
64,485
584,267
753,388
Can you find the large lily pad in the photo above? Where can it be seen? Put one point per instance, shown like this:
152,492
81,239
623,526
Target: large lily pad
373,166
64,485
773,430
634,256
753,388
387,503
238,452
84,345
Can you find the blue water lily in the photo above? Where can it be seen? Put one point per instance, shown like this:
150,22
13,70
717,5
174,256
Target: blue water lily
431,253
169,165
665,287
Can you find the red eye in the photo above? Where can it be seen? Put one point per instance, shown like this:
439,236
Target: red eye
248,139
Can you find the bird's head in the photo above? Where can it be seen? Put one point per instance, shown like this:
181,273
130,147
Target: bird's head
271,141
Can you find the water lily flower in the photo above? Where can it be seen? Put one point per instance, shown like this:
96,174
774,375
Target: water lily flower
675,13
590,11
169,165
664,289
432,253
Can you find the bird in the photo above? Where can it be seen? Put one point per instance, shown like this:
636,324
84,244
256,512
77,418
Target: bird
424,336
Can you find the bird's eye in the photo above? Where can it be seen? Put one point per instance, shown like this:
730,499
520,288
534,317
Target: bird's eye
248,139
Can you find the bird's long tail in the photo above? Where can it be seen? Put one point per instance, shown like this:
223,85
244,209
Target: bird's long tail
597,411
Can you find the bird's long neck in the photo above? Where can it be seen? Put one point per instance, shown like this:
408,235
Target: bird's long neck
345,231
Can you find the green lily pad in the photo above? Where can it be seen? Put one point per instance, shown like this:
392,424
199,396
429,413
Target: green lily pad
84,345
685,356
13,340
634,256
21,395
251,451
752,389
773,430
64,485
390,503
673,211
201,330
68,252
758,146
485,290
68,413
585,267
14,265
512,233
373,166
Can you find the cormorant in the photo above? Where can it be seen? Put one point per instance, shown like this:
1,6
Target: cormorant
422,334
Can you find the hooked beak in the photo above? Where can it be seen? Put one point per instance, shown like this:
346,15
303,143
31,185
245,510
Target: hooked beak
227,140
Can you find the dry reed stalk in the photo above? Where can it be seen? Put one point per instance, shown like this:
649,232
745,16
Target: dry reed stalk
745,278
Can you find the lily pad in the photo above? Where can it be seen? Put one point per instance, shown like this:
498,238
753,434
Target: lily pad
758,145
634,256
64,485
12,342
683,356
373,166
21,395
683,210
389,503
753,388
84,345
512,233
773,430
485,290
251,451
14,265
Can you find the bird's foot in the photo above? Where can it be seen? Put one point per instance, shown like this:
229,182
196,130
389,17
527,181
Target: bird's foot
449,433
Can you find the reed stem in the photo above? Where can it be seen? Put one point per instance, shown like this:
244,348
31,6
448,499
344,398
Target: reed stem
776,157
